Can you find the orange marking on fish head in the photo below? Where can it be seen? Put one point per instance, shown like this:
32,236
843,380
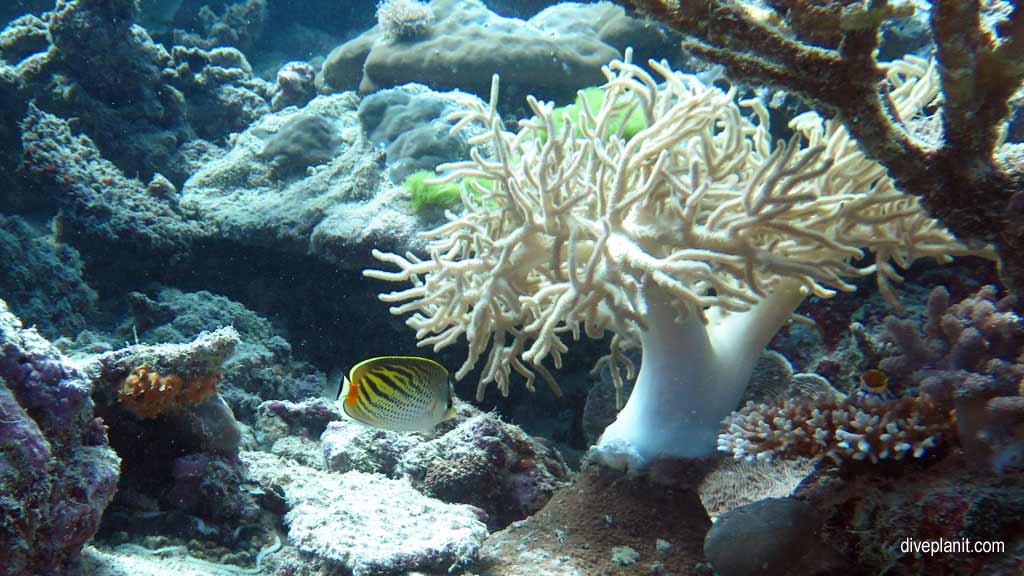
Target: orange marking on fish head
353,393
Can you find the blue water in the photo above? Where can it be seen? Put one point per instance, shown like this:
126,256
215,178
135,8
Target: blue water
210,211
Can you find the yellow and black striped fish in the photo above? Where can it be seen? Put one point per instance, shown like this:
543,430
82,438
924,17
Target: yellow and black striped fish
402,393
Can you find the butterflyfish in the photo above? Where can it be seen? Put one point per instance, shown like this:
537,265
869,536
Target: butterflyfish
401,393
875,384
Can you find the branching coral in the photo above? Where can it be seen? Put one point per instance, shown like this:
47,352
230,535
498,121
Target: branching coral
964,179
853,428
147,394
968,357
695,238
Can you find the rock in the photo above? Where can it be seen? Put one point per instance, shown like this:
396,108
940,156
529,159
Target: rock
553,54
349,445
57,472
770,536
369,524
333,206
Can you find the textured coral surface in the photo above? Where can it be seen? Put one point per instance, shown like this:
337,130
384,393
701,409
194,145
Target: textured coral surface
56,472
854,428
147,394
868,516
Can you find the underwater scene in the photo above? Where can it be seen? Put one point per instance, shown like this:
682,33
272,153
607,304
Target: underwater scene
511,288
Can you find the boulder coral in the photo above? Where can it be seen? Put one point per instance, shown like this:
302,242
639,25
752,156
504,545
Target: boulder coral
555,53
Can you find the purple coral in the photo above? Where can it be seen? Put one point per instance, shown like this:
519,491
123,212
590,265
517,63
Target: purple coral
309,417
206,486
967,357
54,460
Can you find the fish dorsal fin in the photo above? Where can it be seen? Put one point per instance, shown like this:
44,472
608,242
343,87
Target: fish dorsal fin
358,371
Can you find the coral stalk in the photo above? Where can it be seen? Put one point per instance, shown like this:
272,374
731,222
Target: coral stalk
691,377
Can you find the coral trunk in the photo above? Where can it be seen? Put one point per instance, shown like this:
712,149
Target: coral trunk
692,376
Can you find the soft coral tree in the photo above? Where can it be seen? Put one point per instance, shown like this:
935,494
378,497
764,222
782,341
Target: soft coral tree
695,238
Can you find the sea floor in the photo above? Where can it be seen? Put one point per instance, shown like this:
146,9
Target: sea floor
106,562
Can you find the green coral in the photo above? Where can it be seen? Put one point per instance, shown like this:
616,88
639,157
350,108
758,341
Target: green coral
426,196
626,121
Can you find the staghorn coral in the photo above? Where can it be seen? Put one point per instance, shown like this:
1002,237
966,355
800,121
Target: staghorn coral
853,428
977,339
147,394
979,69
695,239
967,356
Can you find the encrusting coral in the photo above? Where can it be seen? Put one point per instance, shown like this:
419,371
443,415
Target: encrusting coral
147,394
696,239
57,471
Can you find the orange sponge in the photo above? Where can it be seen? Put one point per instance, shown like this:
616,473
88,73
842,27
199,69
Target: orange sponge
147,394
